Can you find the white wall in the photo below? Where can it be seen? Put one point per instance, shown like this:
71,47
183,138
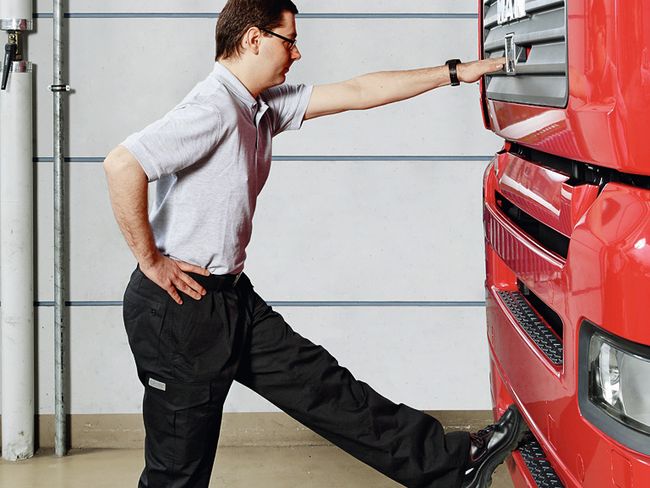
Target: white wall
381,206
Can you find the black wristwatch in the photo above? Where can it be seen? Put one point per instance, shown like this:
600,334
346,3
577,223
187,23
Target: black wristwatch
453,74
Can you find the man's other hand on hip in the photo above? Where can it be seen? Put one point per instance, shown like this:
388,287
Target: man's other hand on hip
171,275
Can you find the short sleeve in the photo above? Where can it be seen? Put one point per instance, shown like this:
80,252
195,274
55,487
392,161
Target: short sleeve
181,138
288,104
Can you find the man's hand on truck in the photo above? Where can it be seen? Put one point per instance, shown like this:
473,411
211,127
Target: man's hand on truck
474,70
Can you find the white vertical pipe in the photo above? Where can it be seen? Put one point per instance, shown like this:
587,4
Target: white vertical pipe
16,9
17,264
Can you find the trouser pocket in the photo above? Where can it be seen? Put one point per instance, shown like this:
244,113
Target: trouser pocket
182,428
144,313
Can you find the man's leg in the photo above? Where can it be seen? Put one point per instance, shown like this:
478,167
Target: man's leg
186,356
181,435
305,381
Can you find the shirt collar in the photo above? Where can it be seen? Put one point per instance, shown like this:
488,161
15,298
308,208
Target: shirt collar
237,88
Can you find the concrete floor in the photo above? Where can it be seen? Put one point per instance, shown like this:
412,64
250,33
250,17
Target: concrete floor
237,467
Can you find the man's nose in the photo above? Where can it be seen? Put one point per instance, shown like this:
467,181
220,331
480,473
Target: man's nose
295,53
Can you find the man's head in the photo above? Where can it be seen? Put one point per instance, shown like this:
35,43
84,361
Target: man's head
256,40
239,16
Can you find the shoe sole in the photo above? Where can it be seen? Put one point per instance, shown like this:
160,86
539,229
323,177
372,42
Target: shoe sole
484,476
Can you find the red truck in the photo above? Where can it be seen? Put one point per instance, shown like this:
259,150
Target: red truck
567,236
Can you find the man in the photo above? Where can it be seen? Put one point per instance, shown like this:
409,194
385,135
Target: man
195,324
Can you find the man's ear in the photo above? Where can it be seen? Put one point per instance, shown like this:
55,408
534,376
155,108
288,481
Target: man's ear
251,40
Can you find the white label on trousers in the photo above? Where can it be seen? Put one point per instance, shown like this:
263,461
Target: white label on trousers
158,385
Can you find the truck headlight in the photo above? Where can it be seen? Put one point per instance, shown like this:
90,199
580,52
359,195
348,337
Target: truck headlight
614,386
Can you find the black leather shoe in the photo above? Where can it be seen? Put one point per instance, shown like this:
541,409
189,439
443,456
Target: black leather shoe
490,447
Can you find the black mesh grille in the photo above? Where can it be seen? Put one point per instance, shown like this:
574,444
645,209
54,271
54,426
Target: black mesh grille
536,462
531,323
548,237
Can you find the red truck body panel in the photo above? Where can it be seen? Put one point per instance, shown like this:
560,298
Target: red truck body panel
605,279
566,255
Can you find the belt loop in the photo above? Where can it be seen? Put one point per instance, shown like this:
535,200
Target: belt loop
234,283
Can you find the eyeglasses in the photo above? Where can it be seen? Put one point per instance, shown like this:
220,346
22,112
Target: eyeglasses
290,43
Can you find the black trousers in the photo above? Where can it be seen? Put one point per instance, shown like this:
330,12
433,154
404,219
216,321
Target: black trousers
187,356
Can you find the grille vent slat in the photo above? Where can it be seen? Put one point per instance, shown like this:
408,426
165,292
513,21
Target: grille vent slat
539,37
541,79
538,465
530,322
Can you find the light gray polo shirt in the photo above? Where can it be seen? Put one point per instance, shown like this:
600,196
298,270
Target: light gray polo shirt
211,156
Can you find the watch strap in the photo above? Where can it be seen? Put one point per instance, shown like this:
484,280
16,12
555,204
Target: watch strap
453,73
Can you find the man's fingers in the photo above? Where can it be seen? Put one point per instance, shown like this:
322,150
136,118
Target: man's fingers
178,284
493,64
499,63
192,268
186,283
173,279
174,294
190,287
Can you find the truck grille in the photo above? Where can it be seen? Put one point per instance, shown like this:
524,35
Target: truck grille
549,238
540,41
530,322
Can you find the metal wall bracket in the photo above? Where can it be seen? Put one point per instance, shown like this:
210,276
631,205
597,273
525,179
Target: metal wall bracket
19,67
59,88
16,24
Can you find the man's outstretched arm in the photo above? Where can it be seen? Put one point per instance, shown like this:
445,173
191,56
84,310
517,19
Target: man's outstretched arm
128,188
376,89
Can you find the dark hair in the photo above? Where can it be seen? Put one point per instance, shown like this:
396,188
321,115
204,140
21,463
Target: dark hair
240,15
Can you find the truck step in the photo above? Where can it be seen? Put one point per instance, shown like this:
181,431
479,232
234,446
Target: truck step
538,466
533,325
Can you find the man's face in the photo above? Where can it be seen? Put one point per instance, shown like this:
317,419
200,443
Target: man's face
277,55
